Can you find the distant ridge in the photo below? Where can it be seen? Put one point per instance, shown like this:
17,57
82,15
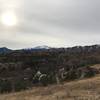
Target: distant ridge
37,48
42,47
45,48
4,50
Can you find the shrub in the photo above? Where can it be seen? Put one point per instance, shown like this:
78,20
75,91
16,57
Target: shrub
20,85
5,86
44,80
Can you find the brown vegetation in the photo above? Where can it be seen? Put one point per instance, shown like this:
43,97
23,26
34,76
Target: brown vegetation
17,68
87,89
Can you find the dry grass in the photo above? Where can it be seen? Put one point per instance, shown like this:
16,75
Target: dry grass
87,89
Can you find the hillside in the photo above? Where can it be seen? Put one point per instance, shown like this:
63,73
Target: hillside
4,50
19,68
86,89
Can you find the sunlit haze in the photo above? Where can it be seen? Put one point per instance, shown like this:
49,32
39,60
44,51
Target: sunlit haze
8,18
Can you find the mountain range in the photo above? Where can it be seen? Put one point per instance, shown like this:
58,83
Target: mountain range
44,47
37,48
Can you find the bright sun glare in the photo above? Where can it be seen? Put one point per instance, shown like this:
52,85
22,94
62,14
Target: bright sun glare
8,19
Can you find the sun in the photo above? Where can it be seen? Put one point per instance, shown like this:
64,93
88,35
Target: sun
8,19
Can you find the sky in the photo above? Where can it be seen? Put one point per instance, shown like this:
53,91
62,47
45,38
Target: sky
56,23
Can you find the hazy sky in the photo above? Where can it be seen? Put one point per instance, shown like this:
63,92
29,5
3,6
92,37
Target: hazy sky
56,23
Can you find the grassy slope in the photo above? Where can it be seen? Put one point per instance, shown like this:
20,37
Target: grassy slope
87,89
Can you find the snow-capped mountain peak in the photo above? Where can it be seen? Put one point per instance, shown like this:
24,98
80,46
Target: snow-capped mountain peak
42,47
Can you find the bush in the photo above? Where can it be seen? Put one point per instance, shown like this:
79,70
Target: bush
5,86
20,85
44,80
